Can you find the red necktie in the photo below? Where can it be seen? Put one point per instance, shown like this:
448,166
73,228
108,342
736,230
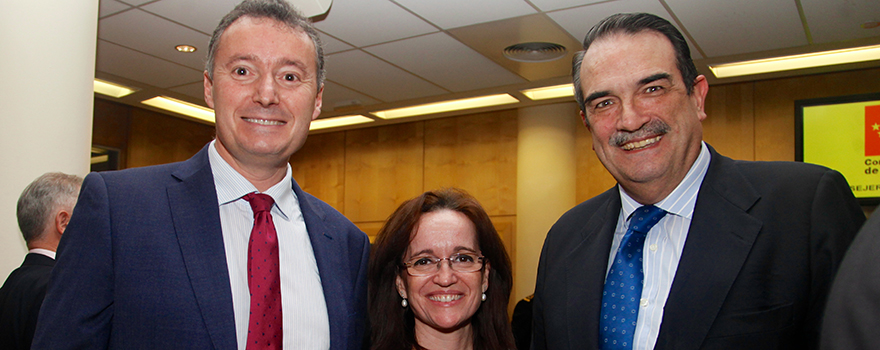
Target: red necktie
264,282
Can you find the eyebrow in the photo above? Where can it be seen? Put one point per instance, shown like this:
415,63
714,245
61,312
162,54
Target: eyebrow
431,251
650,79
653,78
597,94
286,62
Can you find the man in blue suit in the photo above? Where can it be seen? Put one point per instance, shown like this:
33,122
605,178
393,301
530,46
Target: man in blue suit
157,257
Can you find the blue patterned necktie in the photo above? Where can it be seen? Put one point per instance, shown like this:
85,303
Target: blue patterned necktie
623,286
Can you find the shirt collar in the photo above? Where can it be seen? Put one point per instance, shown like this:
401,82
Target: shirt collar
683,198
231,185
42,251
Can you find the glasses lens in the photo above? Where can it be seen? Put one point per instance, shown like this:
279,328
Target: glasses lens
423,265
465,262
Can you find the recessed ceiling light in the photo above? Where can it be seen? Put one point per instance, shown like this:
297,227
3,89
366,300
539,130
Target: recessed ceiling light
784,63
112,89
447,106
534,52
185,48
548,92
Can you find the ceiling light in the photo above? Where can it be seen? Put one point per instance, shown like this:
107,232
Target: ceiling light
548,92
534,52
112,89
339,121
447,106
185,48
784,63
181,107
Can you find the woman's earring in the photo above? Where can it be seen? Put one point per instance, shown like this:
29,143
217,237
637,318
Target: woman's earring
484,297
405,304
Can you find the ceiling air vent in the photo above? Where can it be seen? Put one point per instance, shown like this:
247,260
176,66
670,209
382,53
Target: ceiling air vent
534,52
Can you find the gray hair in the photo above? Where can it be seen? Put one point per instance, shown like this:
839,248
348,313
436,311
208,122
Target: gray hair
634,23
278,10
40,199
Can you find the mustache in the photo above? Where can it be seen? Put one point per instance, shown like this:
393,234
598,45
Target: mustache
655,127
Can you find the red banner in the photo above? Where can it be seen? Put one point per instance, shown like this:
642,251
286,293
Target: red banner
872,130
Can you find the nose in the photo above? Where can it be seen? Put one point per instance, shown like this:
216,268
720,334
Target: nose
446,276
266,93
631,117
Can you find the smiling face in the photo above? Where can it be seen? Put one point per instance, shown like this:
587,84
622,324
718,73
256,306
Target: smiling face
646,129
264,92
445,301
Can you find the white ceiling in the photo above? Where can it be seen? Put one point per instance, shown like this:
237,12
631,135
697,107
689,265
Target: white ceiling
391,53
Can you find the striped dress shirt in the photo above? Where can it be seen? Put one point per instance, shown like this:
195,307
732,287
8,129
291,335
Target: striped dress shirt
663,247
304,310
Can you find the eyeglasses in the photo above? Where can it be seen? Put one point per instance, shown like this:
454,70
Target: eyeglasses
427,265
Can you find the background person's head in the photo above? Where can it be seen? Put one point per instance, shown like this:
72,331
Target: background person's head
451,214
44,209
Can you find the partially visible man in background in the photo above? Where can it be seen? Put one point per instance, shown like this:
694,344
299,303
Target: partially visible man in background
44,209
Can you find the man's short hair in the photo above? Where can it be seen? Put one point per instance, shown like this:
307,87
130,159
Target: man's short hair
632,23
42,198
278,10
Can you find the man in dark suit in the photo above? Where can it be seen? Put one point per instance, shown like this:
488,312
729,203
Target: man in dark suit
175,256
853,310
736,255
43,212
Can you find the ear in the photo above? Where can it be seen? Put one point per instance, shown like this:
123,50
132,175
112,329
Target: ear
319,102
701,89
486,277
61,221
209,90
401,287
585,121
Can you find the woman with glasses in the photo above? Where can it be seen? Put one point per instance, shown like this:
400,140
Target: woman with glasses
439,277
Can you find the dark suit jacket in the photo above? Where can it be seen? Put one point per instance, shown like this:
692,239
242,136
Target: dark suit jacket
765,241
853,311
142,265
20,299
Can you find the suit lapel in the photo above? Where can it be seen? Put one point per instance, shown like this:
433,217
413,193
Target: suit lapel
585,274
196,217
328,257
718,242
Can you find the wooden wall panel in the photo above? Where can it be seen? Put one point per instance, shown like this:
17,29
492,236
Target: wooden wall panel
319,168
774,105
111,125
158,139
730,123
592,178
476,153
383,168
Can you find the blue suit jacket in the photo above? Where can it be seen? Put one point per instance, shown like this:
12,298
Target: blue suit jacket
764,244
142,265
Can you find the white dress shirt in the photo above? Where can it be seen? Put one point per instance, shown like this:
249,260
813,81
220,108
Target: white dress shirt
42,251
663,247
304,310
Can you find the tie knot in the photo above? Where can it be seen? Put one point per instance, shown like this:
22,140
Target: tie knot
645,217
259,201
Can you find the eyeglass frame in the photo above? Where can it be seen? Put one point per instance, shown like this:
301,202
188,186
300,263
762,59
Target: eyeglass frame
480,259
